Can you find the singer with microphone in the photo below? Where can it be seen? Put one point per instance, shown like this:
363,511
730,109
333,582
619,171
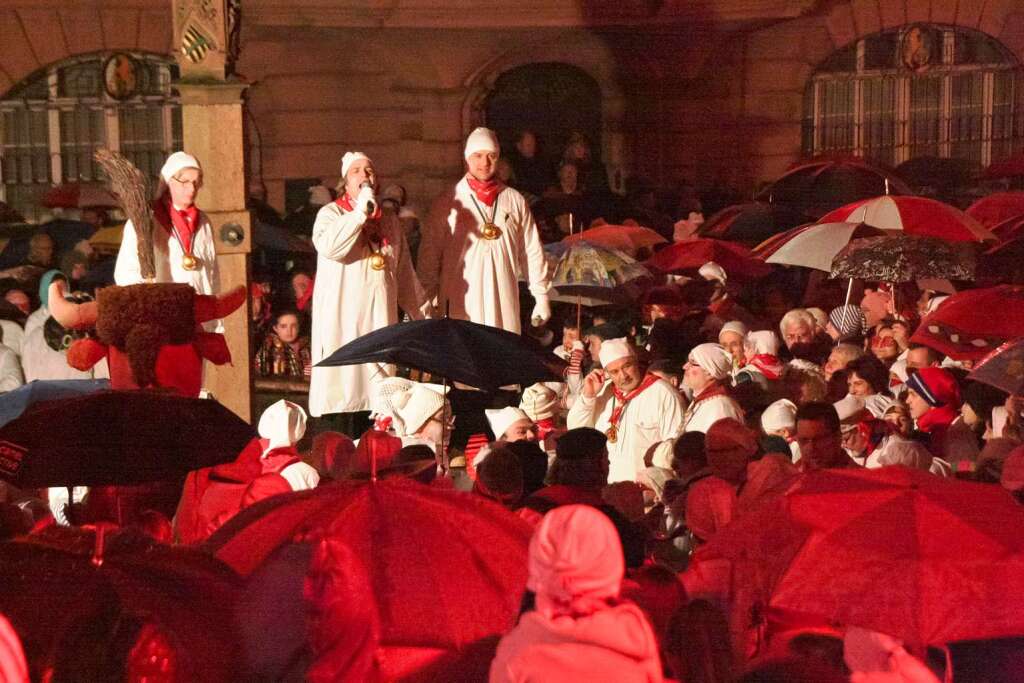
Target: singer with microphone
364,273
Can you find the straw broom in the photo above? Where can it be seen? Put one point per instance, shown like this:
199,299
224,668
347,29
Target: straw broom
132,189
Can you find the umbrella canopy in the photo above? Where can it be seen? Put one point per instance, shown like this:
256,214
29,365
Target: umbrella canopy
896,550
590,271
912,215
458,350
817,187
903,258
750,223
626,238
118,437
79,196
971,324
448,568
1012,167
14,403
942,174
691,254
816,246
1010,229
1003,368
996,208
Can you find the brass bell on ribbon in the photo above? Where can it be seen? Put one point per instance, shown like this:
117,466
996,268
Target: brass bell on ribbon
491,231
377,261
612,433
189,262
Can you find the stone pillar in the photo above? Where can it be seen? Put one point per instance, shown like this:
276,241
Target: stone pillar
206,47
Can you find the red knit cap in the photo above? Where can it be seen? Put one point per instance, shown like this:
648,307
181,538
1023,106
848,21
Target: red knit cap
937,386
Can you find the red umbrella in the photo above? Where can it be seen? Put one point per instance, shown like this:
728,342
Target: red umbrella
78,196
627,238
448,568
1007,168
992,210
927,559
913,215
970,324
1009,229
691,254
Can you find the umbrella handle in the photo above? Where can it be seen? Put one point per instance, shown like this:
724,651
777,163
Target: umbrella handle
849,292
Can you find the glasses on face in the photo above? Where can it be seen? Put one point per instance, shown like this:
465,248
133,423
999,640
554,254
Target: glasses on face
197,183
446,421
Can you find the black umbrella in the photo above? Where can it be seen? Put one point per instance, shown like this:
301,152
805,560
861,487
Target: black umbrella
458,350
118,437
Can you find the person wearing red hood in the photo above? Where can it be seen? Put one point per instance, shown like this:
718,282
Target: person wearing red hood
580,630
478,241
934,399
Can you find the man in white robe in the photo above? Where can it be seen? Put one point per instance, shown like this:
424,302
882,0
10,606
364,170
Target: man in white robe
707,374
479,241
364,273
634,411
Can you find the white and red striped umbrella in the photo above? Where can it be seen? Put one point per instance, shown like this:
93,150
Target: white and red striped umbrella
912,215
814,246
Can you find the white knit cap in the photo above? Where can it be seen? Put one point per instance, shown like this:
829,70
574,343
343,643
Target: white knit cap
176,162
350,158
713,271
712,358
319,195
283,423
613,350
540,401
762,342
849,408
733,326
503,418
779,415
417,405
482,140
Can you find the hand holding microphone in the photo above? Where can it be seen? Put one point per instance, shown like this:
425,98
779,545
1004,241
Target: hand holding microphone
366,200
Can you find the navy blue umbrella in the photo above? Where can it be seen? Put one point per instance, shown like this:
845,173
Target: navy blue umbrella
14,403
480,356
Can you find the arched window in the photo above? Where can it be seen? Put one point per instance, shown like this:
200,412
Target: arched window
53,121
921,90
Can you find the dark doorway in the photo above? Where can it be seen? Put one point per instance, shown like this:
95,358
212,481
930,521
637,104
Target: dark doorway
552,100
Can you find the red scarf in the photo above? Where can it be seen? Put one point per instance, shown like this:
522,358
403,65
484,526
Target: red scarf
622,400
770,366
302,303
544,428
183,222
486,191
346,203
714,390
937,419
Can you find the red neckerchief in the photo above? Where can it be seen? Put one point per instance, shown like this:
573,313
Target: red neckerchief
346,203
303,302
622,400
937,418
722,307
182,222
485,190
544,427
770,366
277,459
715,390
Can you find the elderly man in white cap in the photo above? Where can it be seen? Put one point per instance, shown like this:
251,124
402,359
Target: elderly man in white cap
364,273
479,241
635,411
183,246
707,374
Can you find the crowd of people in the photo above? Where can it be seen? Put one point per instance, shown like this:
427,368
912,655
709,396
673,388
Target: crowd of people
674,417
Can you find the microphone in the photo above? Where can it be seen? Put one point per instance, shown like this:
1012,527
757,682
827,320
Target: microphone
371,206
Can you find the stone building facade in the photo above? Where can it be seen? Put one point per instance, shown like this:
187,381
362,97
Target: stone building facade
712,92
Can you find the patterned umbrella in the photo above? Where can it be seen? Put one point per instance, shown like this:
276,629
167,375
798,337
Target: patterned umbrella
595,273
968,325
903,258
626,238
1003,368
914,216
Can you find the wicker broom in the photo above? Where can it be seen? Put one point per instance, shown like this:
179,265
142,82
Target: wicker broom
132,189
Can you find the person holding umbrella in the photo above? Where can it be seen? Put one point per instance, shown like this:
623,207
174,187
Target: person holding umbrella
478,240
364,273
